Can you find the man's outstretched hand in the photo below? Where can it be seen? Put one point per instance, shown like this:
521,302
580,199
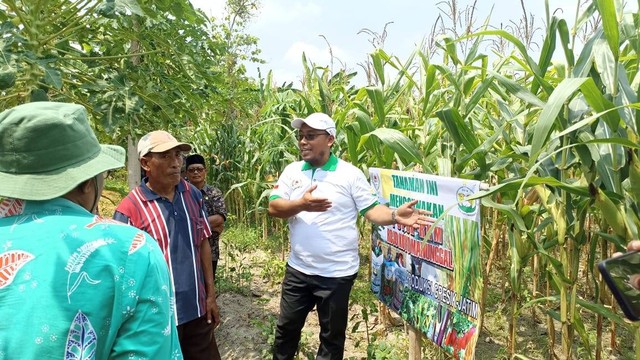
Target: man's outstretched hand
408,215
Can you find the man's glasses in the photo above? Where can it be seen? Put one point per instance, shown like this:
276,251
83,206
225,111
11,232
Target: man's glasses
193,170
310,136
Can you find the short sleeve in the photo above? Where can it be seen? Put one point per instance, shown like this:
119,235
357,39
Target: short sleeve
148,329
202,214
362,192
215,203
282,189
118,216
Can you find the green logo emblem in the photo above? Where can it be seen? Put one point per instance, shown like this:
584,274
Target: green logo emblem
468,207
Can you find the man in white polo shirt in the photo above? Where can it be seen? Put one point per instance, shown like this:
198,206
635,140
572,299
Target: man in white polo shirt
321,196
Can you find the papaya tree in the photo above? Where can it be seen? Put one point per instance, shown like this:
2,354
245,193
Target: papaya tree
137,65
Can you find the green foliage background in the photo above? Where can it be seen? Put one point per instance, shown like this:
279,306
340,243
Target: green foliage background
556,139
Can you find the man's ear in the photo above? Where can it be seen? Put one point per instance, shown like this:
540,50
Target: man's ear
144,163
86,186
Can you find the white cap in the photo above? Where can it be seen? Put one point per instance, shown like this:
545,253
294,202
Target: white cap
318,121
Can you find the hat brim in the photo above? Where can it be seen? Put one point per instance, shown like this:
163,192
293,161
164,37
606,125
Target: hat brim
45,186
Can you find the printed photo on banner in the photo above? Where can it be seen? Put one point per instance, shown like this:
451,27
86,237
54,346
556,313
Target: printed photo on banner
431,276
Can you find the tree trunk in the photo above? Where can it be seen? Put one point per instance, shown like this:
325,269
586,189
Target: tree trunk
133,163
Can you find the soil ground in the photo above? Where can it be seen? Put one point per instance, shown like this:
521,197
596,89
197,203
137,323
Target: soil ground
248,320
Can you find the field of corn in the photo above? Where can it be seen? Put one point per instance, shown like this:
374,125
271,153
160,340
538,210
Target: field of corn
545,113
555,135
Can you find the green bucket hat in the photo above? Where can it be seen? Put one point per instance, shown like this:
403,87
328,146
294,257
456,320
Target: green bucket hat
48,148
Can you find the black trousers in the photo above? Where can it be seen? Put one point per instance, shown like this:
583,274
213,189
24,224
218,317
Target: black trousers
300,292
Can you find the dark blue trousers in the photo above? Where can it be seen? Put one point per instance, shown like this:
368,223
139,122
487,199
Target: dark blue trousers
300,293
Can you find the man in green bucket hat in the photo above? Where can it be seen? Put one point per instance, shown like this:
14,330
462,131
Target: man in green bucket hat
73,284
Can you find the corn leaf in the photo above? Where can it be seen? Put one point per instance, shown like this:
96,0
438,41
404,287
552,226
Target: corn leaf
518,90
586,15
579,325
478,94
377,100
324,92
602,310
397,142
451,50
364,119
353,138
535,69
565,41
607,10
378,63
515,185
548,47
565,90
457,128
606,65
508,210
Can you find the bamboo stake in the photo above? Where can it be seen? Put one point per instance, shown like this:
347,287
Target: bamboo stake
385,316
415,342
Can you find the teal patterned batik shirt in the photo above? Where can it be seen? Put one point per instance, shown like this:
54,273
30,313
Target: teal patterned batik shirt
77,286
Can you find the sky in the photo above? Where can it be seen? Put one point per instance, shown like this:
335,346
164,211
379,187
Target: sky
287,28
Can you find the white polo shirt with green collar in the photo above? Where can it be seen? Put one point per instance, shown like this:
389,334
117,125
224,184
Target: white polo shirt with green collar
326,243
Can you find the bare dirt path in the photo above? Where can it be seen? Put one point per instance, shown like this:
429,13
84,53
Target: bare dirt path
247,321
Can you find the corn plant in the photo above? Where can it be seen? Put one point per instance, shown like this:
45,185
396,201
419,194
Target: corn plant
556,140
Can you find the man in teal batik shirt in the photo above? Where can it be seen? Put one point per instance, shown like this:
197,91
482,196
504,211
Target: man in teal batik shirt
72,284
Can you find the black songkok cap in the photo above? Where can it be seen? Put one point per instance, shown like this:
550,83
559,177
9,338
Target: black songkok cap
194,159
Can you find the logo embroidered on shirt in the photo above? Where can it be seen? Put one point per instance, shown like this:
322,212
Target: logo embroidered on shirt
296,184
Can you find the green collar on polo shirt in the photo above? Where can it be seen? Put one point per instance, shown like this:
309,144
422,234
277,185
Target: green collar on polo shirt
330,165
